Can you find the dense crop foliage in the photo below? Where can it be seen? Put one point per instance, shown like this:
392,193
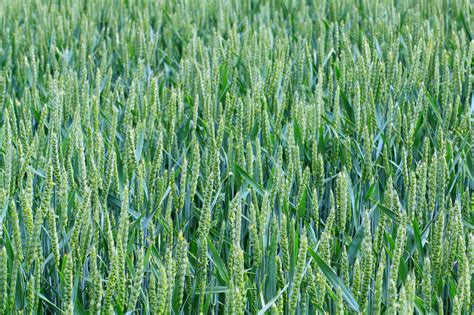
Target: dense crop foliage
232,157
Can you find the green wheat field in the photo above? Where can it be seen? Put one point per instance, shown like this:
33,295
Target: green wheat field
236,157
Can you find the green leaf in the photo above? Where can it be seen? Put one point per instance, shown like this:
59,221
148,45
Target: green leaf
217,261
44,298
417,238
215,289
302,204
420,305
259,189
335,280
432,103
389,212
267,306
355,245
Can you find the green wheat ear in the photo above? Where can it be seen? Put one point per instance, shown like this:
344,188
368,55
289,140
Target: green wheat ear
3,279
298,276
68,284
